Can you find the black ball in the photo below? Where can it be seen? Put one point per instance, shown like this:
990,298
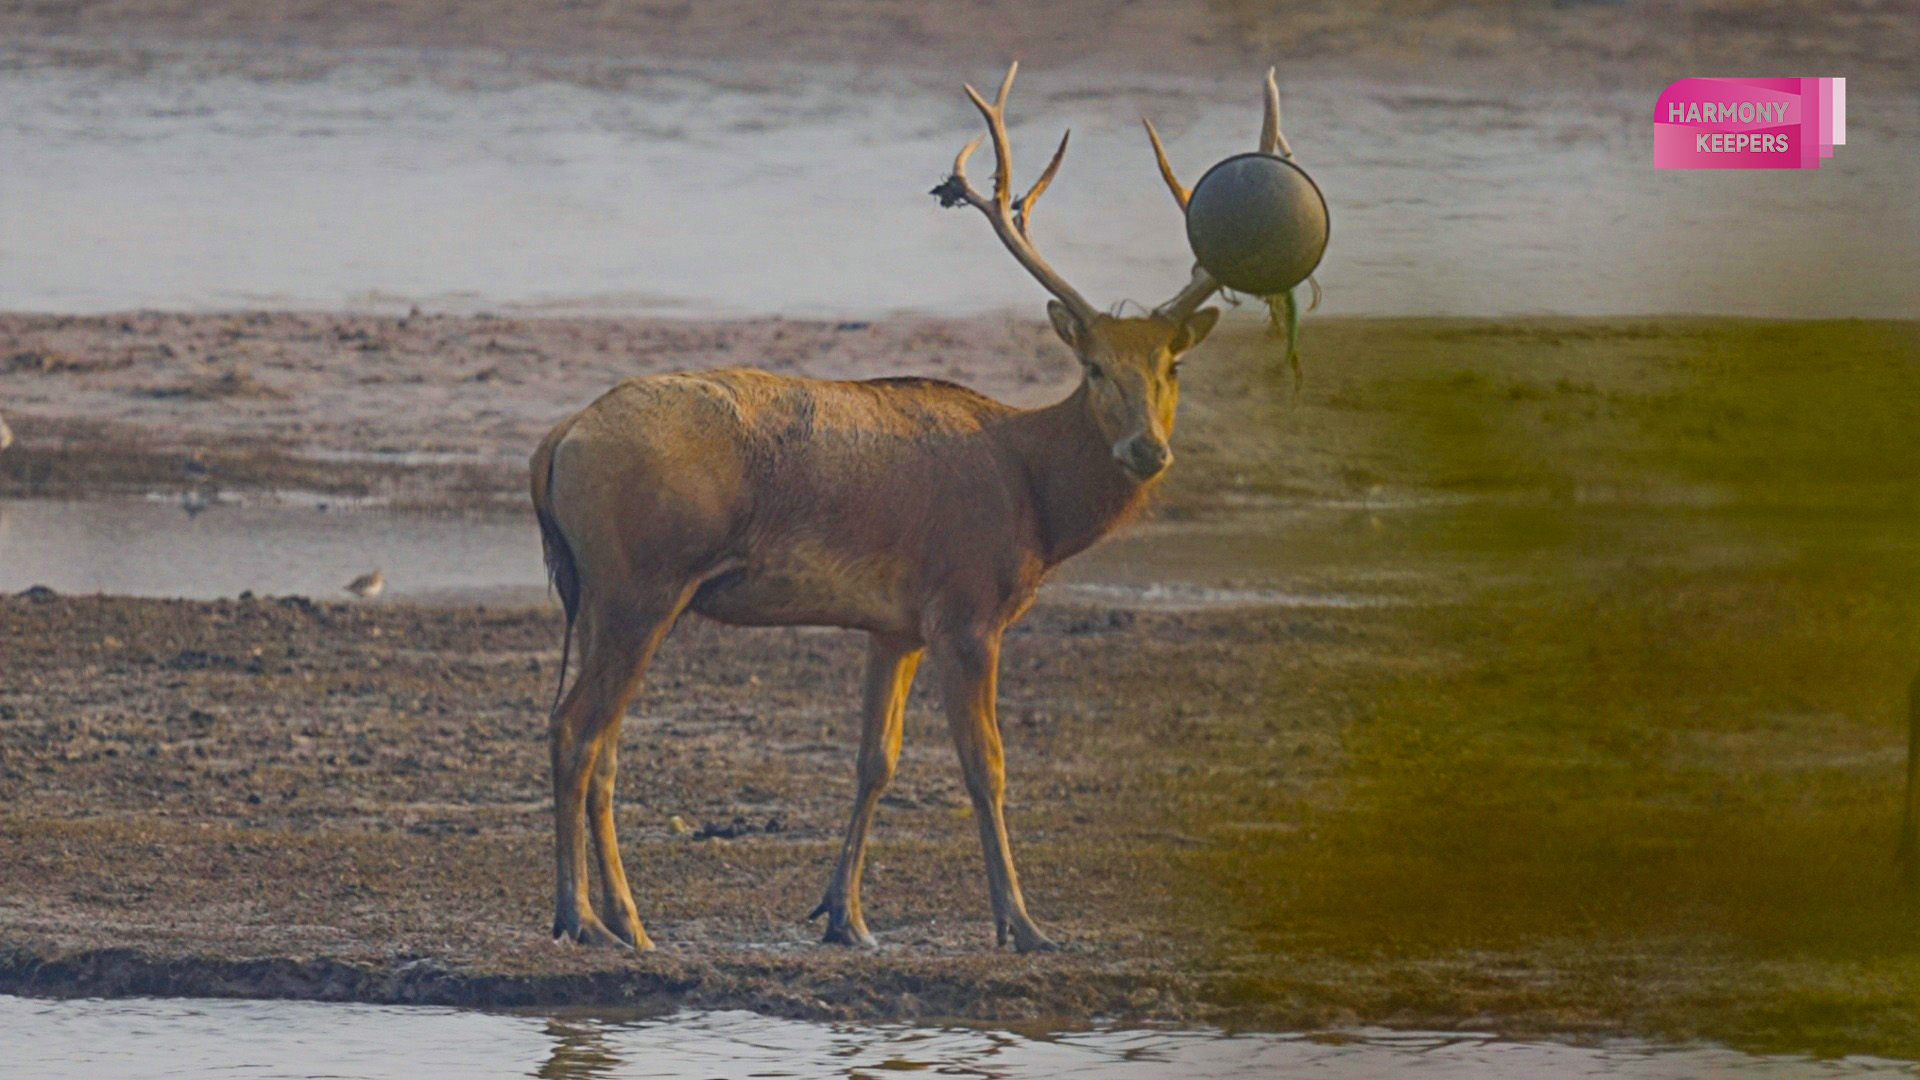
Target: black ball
1257,223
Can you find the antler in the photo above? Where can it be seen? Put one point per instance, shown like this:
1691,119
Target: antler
1011,218
1271,142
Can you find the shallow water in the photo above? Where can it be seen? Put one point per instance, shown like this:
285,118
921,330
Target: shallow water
150,1038
458,183
153,547
1305,554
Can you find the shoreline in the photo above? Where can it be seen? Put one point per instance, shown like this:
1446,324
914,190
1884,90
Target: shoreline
860,989
436,413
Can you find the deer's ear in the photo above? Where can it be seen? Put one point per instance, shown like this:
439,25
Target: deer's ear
1194,330
1066,324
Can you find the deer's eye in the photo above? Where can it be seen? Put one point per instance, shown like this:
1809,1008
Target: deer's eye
1094,374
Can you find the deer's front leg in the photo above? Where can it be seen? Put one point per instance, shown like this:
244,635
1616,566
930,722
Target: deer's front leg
890,665
968,668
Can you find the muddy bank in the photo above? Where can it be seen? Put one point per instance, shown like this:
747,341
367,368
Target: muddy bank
423,410
1635,767
276,798
867,989
441,411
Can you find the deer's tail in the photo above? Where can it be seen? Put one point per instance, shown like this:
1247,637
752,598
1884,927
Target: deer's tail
563,573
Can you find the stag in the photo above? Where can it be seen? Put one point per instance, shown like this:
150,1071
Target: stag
916,510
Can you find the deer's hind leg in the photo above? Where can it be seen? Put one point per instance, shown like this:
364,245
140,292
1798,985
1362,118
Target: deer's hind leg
890,665
617,908
616,646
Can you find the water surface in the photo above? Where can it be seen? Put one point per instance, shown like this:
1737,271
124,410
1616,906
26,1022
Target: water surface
154,547
454,182
152,1038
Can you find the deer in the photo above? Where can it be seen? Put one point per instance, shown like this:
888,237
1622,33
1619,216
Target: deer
916,510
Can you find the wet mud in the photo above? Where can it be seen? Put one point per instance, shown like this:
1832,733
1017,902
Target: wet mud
277,798
1620,749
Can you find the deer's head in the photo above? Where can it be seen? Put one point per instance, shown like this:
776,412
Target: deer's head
1129,366
1129,371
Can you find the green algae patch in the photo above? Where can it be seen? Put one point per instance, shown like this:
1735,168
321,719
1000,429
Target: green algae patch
1644,769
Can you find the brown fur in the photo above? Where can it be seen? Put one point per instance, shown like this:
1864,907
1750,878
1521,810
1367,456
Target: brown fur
916,510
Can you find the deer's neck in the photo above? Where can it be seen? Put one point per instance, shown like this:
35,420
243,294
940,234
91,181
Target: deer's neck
1080,492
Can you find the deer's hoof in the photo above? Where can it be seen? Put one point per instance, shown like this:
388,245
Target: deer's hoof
1038,943
636,939
589,930
626,927
850,936
1027,937
843,927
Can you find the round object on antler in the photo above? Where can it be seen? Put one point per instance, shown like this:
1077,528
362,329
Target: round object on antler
1257,223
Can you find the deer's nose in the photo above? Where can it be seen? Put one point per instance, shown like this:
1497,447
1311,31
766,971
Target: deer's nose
1144,455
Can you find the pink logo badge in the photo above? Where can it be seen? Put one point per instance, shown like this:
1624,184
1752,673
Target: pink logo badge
1749,123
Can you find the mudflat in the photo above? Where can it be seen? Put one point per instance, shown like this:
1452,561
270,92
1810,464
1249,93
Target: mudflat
272,797
1623,754
431,410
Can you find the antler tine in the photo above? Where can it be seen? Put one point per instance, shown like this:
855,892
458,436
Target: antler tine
1006,86
1202,284
1272,141
996,117
960,159
1023,206
1011,219
1180,192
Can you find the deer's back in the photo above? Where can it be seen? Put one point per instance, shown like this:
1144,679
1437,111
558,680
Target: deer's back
808,500
767,426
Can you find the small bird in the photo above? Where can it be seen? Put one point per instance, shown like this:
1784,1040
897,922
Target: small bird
367,586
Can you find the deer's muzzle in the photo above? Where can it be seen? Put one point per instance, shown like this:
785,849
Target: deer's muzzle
1143,455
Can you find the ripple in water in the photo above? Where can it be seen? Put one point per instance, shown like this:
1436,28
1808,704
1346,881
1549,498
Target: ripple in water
151,1038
